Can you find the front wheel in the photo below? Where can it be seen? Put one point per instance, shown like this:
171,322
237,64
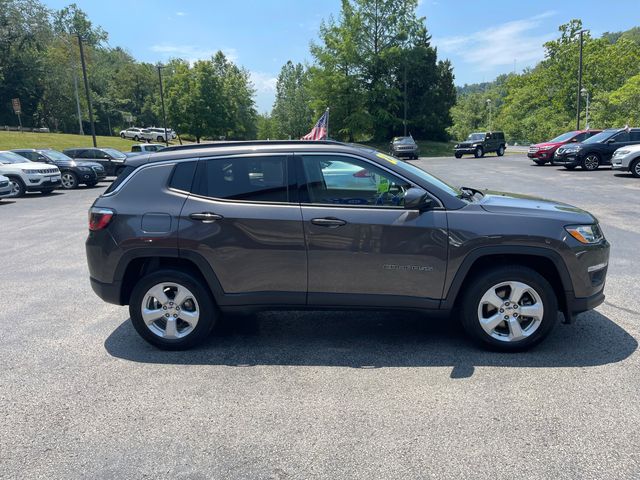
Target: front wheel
539,162
569,167
591,162
478,152
458,155
172,310
634,168
69,180
159,139
122,135
509,308
136,138
500,151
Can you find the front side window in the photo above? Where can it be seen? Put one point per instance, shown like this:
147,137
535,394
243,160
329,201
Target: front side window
256,179
339,180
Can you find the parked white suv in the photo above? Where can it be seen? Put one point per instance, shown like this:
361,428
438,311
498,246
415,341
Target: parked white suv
627,159
137,134
157,134
5,187
27,176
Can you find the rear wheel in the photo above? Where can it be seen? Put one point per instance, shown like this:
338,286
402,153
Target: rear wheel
69,180
509,308
478,152
122,135
500,151
171,310
634,168
136,138
159,139
591,162
17,187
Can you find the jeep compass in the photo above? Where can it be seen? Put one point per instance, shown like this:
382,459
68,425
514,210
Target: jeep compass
184,235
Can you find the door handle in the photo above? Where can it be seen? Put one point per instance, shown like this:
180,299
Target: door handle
328,222
206,217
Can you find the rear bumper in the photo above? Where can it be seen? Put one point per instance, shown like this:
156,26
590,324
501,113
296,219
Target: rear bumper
109,292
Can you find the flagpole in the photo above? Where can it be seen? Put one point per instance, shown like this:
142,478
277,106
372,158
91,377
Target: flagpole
327,123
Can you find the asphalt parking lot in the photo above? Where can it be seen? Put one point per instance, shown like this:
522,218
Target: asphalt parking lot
314,395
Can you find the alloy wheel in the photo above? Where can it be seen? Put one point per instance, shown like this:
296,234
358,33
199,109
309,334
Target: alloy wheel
591,162
170,311
636,169
16,189
510,311
68,180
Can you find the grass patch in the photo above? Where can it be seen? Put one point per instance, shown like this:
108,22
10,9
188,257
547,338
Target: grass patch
59,141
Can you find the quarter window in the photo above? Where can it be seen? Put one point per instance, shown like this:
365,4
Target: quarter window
257,179
338,180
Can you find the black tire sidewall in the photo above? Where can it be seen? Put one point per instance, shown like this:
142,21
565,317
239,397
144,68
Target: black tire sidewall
478,153
208,310
21,186
632,167
482,282
77,180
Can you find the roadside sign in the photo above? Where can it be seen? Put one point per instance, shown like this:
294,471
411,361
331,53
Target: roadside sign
16,106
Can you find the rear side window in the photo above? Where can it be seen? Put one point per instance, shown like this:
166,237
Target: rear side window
257,179
182,176
128,170
635,135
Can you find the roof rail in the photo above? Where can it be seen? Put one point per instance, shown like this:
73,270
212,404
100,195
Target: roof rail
242,143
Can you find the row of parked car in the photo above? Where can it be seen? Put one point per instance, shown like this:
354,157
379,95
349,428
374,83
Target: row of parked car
44,169
589,149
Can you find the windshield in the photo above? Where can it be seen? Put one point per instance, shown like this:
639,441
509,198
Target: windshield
55,155
564,137
602,136
475,136
10,157
408,140
114,153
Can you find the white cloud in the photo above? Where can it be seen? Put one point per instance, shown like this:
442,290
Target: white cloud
191,53
264,82
500,45
181,14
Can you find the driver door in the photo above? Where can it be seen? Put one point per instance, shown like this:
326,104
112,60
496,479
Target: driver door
363,246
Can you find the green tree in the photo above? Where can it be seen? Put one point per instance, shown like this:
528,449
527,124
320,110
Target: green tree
292,113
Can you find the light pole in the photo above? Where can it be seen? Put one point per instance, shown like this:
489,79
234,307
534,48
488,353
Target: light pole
88,92
581,32
489,108
164,115
585,92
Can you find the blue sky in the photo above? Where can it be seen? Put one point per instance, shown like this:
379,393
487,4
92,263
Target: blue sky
481,38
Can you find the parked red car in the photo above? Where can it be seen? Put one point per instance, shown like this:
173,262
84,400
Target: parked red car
542,153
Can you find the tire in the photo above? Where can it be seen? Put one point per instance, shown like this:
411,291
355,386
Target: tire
47,191
531,290
136,138
122,135
539,162
634,168
458,155
478,152
500,151
17,187
191,321
569,167
159,139
591,162
69,180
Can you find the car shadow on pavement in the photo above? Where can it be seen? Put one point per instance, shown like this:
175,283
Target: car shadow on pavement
376,340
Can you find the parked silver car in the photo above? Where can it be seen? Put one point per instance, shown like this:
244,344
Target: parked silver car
627,159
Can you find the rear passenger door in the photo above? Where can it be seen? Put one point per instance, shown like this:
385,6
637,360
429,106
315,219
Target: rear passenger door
243,217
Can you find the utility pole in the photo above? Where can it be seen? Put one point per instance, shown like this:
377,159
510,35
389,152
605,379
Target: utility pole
405,97
585,92
581,32
75,89
489,108
164,115
86,88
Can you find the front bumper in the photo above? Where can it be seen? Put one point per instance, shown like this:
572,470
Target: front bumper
576,305
405,153
44,184
620,163
546,155
570,159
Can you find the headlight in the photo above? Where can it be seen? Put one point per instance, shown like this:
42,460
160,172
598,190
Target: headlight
585,233
619,153
84,169
545,148
457,146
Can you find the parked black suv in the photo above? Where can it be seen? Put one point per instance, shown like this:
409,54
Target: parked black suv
404,147
596,150
73,172
481,143
191,232
112,160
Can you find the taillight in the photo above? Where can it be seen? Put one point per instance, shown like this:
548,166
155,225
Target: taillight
99,218
364,173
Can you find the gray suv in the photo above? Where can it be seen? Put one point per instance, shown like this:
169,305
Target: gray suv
189,233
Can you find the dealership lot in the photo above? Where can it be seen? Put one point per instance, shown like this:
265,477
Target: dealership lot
314,395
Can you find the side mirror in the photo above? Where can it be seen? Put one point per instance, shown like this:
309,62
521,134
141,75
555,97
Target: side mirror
417,199
574,140
611,140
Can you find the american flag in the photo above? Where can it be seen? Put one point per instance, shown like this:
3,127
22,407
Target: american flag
319,131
